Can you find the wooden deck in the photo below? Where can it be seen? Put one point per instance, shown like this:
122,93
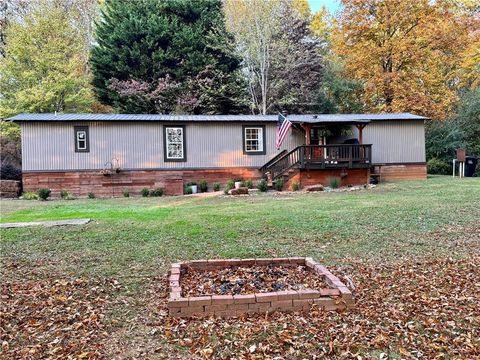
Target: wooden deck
338,156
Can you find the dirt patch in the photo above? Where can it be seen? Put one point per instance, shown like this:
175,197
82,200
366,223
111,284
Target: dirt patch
249,280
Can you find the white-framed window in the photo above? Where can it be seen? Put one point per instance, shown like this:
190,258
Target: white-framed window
174,137
81,139
254,139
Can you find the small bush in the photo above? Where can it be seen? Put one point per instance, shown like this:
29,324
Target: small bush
191,183
91,195
278,184
295,186
334,182
230,185
10,172
145,192
249,184
65,195
262,185
157,192
44,194
187,190
439,167
203,186
30,195
216,187
126,193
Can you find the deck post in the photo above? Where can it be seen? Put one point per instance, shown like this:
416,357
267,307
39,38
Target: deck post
307,132
360,128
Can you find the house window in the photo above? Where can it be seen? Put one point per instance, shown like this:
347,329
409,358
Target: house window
82,143
254,140
174,143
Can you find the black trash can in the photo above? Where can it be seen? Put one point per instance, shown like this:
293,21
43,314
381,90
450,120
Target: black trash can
470,165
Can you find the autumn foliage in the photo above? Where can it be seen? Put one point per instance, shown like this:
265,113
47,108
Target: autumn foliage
407,53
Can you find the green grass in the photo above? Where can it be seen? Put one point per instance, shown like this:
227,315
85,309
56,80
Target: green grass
140,236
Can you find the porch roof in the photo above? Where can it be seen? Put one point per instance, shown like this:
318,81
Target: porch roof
314,119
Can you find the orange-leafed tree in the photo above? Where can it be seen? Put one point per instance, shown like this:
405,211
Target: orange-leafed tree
407,53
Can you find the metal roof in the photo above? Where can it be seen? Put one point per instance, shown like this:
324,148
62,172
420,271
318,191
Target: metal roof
320,118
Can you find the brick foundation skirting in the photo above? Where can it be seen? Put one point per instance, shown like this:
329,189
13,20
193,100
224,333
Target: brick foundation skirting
315,177
80,183
403,172
10,188
337,296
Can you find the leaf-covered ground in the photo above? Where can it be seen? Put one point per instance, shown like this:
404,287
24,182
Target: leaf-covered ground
411,249
423,309
53,317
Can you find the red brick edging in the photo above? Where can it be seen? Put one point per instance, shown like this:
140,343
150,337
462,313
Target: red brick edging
336,297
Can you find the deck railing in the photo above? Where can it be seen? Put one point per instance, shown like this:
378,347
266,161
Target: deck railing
321,157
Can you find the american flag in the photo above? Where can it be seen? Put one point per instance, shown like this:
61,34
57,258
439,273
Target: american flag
282,130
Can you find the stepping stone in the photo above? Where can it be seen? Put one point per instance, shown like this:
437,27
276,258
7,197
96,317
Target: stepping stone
45,223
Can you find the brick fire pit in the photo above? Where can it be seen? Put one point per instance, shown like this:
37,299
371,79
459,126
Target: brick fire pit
334,296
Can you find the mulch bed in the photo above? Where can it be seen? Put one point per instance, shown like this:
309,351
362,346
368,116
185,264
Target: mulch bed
249,280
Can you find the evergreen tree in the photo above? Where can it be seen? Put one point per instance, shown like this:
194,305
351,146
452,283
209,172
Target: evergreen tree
166,56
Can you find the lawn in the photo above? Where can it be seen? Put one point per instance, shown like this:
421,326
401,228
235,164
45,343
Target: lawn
399,239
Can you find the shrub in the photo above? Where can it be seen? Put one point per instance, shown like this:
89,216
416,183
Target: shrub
203,186
191,183
278,184
126,193
438,166
91,195
145,192
187,190
216,187
44,194
262,185
295,186
157,192
230,185
249,184
30,195
10,172
65,195
334,182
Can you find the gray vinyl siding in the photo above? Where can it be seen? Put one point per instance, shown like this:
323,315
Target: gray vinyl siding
396,141
49,146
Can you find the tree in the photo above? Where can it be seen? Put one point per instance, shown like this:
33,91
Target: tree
280,56
44,69
406,52
297,66
468,115
166,56
338,93
254,23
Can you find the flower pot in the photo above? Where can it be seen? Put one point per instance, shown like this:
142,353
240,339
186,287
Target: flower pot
194,189
238,184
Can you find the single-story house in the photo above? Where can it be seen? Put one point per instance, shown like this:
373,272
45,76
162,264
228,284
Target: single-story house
107,153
